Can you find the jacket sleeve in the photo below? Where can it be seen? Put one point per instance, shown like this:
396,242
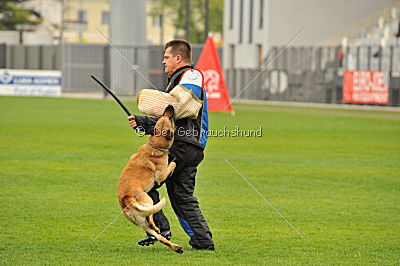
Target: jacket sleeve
145,123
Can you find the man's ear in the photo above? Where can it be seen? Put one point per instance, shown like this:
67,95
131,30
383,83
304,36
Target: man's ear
178,58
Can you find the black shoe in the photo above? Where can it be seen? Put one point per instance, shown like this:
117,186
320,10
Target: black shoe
150,240
204,248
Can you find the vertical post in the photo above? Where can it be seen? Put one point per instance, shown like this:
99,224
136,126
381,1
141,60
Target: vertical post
391,59
187,20
26,56
12,57
391,89
3,55
40,56
80,22
358,57
241,22
369,58
206,19
62,22
161,28
106,68
380,51
53,56
348,57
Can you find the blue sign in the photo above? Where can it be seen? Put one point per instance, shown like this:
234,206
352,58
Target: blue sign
9,79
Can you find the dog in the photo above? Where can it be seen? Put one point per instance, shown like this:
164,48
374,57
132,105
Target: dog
147,167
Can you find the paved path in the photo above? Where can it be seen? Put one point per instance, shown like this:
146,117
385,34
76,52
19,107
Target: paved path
314,105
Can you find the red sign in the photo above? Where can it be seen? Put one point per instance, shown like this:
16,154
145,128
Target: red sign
370,87
217,93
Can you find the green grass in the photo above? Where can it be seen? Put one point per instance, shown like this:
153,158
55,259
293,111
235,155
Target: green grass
334,174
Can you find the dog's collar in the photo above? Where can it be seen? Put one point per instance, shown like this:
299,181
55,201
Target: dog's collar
159,148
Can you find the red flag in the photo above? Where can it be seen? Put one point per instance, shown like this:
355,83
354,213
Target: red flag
217,93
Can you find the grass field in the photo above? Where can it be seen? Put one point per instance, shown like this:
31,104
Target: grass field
334,174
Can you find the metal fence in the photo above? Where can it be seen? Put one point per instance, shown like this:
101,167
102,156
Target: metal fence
373,57
144,70
79,62
3,48
47,57
312,74
304,74
147,70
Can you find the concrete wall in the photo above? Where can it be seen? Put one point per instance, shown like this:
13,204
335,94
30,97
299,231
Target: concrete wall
282,19
246,33
128,20
322,18
85,32
9,37
37,38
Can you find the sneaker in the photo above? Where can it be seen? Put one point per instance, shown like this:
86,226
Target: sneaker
150,240
211,247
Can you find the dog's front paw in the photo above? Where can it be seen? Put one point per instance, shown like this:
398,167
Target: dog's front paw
178,249
172,165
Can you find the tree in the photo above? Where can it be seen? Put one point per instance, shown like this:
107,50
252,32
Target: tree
12,15
175,10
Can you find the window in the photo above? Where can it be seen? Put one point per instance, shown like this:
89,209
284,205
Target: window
105,18
241,22
82,18
156,21
251,21
231,3
232,56
261,10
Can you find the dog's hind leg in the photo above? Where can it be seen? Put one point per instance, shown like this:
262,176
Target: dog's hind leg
152,224
174,247
147,201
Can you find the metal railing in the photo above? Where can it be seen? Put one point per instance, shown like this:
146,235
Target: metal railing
306,74
313,74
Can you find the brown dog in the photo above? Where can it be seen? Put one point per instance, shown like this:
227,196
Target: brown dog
145,168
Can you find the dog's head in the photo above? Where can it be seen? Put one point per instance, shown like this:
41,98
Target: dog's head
163,133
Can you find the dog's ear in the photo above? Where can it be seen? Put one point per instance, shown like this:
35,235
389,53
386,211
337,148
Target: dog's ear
169,111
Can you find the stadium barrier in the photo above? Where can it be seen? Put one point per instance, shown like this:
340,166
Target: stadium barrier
302,74
314,74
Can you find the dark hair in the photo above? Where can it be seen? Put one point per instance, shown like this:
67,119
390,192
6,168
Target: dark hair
180,47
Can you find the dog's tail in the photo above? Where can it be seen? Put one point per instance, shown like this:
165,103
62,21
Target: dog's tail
130,201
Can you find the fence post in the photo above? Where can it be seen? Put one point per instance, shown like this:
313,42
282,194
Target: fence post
40,57
380,51
3,55
369,58
106,68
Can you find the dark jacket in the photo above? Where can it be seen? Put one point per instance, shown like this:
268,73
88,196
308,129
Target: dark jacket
193,131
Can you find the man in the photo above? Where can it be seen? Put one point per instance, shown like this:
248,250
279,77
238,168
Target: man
187,150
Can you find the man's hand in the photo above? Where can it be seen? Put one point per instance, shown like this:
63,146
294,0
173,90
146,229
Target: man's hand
132,121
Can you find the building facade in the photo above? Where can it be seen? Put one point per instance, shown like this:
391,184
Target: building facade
252,27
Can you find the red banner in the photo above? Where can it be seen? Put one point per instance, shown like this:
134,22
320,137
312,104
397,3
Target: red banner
217,93
370,87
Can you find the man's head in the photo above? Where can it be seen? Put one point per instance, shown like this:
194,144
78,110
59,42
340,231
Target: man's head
178,53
